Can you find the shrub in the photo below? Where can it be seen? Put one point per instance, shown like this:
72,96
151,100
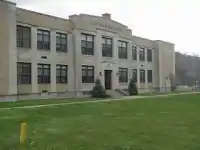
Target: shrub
172,78
98,91
132,88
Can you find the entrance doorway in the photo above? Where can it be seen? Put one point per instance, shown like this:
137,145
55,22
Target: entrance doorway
108,79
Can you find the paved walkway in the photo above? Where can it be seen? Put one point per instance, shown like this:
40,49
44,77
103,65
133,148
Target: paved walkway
96,101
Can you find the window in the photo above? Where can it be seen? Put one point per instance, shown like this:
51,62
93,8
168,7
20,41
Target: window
149,55
134,52
123,75
23,73
44,75
134,76
107,47
61,42
87,44
142,54
23,36
87,74
150,76
61,73
43,39
122,49
142,75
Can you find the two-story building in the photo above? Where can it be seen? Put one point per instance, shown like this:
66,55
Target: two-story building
39,53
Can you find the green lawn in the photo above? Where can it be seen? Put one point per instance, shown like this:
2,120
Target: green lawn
167,123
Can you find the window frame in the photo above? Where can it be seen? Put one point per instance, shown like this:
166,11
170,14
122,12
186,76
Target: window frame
123,79
150,80
85,70
86,50
149,56
61,79
62,47
22,75
20,39
134,52
42,44
107,49
122,51
142,54
142,75
44,79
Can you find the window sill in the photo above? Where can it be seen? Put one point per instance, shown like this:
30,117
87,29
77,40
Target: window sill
123,83
63,52
88,83
22,48
123,58
44,50
87,55
44,83
107,56
62,83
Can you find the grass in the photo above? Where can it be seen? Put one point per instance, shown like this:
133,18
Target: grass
167,123
38,102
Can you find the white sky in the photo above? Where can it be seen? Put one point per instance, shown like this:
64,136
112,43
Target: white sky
175,21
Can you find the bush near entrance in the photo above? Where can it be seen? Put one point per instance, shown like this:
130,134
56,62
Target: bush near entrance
132,88
98,91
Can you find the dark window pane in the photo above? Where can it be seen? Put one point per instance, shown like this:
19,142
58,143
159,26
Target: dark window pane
61,74
87,44
43,39
61,42
150,76
23,73
142,54
23,36
134,76
107,47
122,49
44,74
142,75
134,53
149,55
123,75
87,74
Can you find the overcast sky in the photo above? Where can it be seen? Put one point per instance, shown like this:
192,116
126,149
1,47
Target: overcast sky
176,21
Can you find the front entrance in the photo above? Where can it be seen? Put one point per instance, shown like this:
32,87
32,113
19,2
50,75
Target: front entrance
108,79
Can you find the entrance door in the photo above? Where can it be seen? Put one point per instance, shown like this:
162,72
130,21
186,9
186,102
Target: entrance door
108,79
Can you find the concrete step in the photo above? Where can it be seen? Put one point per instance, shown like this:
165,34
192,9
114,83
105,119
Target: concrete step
114,94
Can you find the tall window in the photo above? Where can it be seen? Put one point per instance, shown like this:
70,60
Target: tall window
44,75
134,52
61,42
87,74
23,73
142,54
150,76
134,76
123,75
43,39
122,49
149,55
61,74
23,36
107,47
87,44
142,75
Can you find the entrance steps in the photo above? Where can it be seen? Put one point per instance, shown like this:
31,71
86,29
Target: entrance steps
115,93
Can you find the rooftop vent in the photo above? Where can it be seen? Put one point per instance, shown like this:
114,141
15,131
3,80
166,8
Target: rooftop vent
106,16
